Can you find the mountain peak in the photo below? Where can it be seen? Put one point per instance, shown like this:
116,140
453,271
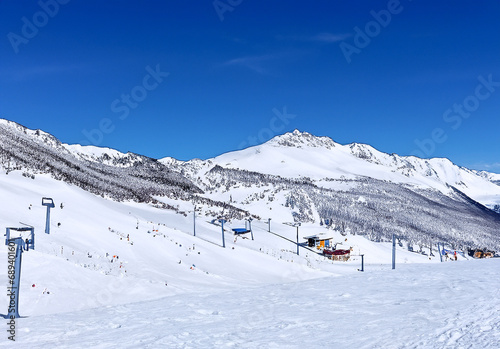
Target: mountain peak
299,139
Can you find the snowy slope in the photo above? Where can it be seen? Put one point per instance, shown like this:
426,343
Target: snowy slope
300,154
157,254
416,306
107,156
168,288
294,177
91,153
492,177
314,179
101,171
92,227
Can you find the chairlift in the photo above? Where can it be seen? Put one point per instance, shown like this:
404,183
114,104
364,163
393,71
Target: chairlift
18,236
240,231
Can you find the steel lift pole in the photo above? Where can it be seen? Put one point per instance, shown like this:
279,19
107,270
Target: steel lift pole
17,244
50,204
222,221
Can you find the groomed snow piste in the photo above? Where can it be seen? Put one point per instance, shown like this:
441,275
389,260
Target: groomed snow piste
169,289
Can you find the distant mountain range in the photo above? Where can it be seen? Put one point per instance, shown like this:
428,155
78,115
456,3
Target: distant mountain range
296,176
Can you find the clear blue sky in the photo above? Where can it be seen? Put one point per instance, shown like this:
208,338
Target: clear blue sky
101,67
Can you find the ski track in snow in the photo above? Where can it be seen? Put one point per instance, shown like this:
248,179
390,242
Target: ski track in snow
448,305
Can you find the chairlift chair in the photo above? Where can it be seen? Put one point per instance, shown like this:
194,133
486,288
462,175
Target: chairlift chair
240,231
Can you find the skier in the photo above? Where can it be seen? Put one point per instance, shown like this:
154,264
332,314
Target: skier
455,255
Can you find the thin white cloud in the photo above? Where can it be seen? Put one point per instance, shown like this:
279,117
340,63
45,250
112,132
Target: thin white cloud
324,37
27,73
329,37
254,63
495,166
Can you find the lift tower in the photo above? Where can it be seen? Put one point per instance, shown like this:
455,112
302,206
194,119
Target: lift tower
50,204
16,246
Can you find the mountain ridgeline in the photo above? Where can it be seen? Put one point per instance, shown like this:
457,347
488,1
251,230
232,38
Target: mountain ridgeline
373,208
354,188
129,177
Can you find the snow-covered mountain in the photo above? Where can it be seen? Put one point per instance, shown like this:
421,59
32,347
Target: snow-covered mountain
123,261
296,176
300,154
318,180
101,171
492,177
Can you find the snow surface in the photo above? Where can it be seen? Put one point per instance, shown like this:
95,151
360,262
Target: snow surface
92,151
171,289
449,305
300,154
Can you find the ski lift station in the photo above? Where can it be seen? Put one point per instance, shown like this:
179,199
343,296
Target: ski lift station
319,241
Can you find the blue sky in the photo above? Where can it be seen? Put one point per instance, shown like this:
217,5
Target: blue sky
199,78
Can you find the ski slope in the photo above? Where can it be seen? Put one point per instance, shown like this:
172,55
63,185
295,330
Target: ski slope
168,288
448,305
76,260
300,154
